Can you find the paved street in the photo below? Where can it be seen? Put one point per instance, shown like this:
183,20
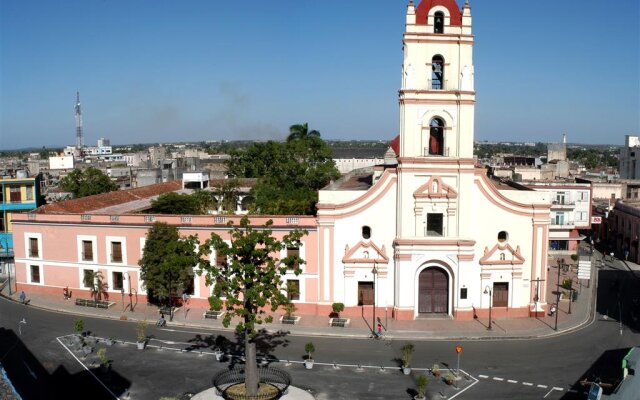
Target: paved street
549,367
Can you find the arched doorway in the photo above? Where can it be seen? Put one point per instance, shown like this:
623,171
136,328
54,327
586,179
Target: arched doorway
433,291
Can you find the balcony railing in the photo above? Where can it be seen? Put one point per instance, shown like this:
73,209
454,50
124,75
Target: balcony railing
562,223
445,153
438,85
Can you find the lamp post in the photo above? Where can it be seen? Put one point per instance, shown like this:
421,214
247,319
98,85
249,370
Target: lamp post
130,293
555,328
487,290
374,271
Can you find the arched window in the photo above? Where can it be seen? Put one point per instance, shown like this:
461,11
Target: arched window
503,236
366,232
437,72
438,22
436,137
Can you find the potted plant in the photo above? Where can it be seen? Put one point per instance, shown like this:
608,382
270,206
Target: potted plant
102,358
78,325
421,385
450,378
141,333
337,309
309,348
435,370
289,309
407,352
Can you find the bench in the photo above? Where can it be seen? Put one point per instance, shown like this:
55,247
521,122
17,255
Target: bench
212,314
289,319
339,322
167,310
94,303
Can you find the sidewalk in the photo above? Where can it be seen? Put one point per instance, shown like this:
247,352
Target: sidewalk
312,325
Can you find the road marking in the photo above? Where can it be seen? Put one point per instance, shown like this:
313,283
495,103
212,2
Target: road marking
483,376
85,367
527,384
495,378
542,386
552,389
512,381
465,389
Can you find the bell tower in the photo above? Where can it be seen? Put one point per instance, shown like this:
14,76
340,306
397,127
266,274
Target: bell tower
437,96
437,101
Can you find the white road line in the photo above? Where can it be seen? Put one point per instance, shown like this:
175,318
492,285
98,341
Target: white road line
495,378
527,384
465,389
512,381
85,367
552,389
542,386
483,376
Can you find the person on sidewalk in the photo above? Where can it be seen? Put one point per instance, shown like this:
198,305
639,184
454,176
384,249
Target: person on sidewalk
553,310
23,297
65,293
161,322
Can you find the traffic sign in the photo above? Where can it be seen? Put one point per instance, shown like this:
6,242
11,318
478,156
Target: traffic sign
458,349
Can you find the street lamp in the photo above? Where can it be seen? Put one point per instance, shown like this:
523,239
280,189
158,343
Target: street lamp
487,290
374,271
555,328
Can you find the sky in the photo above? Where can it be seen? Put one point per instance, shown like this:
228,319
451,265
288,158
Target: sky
193,70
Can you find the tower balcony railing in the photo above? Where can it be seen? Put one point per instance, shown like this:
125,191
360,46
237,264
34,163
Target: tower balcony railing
438,85
443,153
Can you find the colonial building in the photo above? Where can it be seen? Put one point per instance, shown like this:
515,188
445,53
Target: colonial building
424,234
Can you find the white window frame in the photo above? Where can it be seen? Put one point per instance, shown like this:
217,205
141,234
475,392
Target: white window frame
81,276
40,271
94,248
27,237
301,280
301,254
110,280
113,239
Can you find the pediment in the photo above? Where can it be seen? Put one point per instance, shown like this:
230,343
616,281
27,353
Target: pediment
365,252
501,254
435,189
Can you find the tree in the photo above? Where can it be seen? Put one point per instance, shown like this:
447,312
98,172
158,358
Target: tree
86,183
176,203
227,193
301,132
249,281
95,281
289,174
167,263
204,200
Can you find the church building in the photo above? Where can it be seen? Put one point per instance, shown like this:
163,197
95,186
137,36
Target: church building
425,234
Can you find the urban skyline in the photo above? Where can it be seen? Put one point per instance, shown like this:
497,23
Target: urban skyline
216,71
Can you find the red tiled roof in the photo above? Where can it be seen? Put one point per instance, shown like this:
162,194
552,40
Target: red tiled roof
98,201
422,11
395,145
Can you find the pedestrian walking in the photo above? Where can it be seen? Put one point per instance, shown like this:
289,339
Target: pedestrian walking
553,310
23,297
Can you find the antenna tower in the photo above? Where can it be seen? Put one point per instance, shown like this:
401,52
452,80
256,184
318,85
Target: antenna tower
79,136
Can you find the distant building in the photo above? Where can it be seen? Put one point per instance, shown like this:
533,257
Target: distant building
18,194
629,155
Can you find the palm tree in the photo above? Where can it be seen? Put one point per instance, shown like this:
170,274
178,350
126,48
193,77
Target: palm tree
95,281
301,132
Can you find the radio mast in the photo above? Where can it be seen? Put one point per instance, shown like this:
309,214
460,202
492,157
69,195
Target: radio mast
79,136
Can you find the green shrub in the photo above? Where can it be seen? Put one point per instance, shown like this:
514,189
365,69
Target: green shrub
78,325
407,351
421,383
309,348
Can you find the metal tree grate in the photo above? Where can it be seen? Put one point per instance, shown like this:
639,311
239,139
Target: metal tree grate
278,378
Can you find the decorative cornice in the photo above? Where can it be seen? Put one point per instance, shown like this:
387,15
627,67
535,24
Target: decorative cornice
435,189
349,253
516,257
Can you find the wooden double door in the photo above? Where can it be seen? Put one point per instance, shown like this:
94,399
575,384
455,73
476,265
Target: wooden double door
433,291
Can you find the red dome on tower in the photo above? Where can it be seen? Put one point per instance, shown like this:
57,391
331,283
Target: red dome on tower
422,11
